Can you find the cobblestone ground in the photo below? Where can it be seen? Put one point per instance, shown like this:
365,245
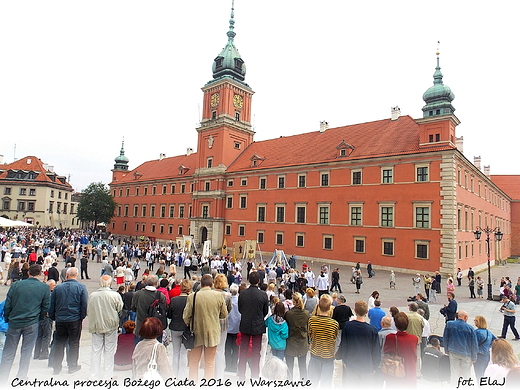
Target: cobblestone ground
389,297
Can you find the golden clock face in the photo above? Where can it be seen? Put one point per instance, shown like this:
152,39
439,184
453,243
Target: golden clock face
238,101
215,100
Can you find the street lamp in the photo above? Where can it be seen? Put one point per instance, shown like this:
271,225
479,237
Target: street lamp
498,237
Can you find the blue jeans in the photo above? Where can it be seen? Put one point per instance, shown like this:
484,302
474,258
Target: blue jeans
279,353
320,371
30,334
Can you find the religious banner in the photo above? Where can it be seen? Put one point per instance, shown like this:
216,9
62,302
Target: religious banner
206,249
180,243
224,250
239,247
188,241
250,249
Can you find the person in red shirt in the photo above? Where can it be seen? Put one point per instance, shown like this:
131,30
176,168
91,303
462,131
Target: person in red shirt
405,345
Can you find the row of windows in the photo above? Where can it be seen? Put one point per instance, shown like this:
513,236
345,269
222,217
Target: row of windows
32,192
22,205
162,212
387,177
387,244
468,221
422,214
489,194
141,227
60,209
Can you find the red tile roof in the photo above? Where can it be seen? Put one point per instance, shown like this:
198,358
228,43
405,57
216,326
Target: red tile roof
380,138
165,168
30,163
510,184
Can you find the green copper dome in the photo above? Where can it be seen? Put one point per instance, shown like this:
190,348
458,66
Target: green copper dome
121,160
438,98
228,62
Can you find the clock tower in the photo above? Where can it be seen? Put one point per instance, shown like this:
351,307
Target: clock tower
224,133
225,130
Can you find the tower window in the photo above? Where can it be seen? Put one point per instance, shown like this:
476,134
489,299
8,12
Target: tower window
237,116
213,115
238,63
237,145
218,62
343,152
210,162
437,137
430,138
431,113
437,112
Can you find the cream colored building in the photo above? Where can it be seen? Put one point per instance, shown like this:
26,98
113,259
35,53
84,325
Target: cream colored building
32,192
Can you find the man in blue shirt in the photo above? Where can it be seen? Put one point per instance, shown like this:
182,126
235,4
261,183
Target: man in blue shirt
376,314
508,309
460,343
68,309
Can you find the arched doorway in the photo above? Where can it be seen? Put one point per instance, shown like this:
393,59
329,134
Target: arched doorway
203,234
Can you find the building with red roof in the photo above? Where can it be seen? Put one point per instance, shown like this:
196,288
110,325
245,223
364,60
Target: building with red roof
397,192
34,193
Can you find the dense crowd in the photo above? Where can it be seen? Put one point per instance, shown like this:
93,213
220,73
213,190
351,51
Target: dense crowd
151,297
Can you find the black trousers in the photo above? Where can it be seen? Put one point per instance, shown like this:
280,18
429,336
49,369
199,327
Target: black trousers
509,321
67,332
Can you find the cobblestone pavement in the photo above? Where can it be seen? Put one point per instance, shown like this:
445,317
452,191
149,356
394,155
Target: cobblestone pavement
389,297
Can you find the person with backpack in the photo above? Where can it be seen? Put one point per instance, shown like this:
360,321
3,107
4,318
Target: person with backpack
142,303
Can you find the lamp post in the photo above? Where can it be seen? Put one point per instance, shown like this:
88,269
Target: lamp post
498,237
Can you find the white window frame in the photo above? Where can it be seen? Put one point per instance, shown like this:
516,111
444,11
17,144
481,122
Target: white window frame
386,240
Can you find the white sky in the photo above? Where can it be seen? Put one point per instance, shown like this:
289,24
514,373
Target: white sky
77,76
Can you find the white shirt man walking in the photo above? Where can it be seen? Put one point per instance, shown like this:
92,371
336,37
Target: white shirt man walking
104,308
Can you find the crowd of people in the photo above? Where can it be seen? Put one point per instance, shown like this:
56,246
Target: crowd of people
149,297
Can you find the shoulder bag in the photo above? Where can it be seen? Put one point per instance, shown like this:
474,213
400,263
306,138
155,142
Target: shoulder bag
392,364
152,373
188,337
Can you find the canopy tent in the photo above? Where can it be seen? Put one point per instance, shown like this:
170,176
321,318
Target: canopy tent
5,222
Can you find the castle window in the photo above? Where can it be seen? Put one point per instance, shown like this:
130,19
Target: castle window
218,62
437,112
430,138
260,237
207,186
359,244
431,113
299,239
437,137
356,177
237,116
205,211
263,182
238,63
237,145
343,152
327,242
213,115
210,162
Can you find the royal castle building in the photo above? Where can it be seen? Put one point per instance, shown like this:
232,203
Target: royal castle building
398,191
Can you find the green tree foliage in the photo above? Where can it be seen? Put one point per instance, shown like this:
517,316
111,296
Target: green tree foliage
96,204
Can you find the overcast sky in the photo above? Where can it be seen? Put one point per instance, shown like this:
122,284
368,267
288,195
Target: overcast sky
78,76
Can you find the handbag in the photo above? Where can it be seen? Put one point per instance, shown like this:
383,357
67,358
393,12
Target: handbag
152,374
188,337
392,364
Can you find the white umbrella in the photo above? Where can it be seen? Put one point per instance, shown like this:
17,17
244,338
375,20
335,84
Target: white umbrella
5,222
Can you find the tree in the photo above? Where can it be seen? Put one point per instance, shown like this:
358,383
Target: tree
96,204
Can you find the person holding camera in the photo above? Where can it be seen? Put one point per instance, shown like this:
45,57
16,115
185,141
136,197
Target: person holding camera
508,309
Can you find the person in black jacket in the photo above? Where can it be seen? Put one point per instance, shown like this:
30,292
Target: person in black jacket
53,273
253,306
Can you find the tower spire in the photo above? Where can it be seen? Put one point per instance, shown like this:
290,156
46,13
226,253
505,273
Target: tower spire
438,98
231,33
121,161
229,63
